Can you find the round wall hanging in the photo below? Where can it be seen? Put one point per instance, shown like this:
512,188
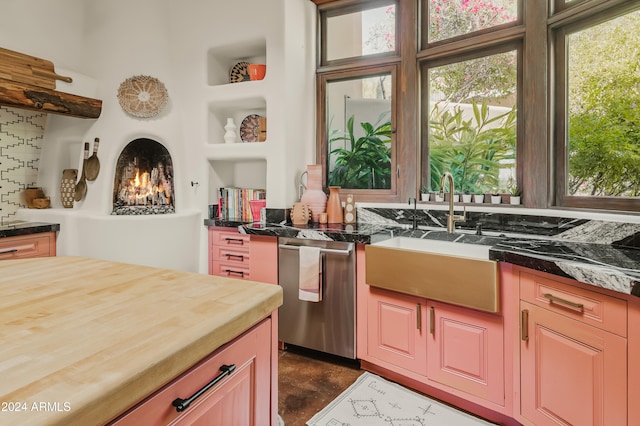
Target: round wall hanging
142,96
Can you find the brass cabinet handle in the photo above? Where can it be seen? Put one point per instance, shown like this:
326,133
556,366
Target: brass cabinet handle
418,317
561,301
524,325
432,320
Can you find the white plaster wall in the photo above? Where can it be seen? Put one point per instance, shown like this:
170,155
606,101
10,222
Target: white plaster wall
105,42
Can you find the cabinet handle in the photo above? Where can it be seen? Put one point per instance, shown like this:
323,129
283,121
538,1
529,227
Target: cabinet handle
183,404
524,325
418,317
239,241
561,301
237,256
9,251
231,271
432,320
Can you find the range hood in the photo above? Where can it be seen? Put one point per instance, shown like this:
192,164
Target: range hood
27,96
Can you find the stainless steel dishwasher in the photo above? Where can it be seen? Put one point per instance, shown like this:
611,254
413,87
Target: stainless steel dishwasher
329,325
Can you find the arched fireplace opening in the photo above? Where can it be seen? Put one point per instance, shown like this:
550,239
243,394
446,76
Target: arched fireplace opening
143,182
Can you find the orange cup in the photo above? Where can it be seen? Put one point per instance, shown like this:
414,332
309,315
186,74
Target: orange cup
257,71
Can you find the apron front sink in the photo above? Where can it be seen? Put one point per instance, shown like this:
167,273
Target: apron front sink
451,272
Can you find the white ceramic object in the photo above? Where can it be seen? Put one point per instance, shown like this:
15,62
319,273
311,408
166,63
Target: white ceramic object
230,131
475,251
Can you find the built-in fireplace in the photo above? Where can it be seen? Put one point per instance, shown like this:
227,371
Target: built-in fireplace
143,182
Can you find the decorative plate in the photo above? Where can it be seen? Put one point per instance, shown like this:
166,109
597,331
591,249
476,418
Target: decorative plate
239,72
250,128
142,96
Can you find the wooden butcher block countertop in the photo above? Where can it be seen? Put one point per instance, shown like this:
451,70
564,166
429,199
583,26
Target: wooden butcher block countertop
83,339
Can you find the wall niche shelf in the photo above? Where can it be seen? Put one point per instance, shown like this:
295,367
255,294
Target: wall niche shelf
242,173
221,59
238,110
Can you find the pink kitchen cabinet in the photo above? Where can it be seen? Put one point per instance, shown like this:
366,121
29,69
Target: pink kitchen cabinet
243,397
465,351
24,246
249,257
396,331
573,354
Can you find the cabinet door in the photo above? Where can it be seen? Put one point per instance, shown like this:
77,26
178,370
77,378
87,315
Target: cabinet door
396,330
24,246
241,398
465,350
571,373
264,259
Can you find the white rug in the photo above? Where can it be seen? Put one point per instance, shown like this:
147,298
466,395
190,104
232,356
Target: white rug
373,401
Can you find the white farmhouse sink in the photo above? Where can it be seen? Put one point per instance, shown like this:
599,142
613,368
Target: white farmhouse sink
451,272
475,251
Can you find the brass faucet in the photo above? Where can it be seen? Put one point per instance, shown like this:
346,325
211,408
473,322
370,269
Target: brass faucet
451,218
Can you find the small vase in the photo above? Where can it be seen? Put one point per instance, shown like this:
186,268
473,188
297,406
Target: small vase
496,199
334,205
230,131
313,194
478,198
68,187
466,198
514,199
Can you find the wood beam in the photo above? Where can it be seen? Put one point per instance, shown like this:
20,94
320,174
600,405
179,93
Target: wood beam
26,96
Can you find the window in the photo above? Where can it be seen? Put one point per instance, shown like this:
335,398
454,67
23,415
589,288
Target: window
599,129
450,18
354,31
550,93
472,123
359,112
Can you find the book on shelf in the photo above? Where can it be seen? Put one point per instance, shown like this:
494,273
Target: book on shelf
234,203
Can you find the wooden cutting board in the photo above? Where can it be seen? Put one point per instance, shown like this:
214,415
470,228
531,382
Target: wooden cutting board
18,67
97,336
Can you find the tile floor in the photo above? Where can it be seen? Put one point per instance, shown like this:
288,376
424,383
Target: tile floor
308,381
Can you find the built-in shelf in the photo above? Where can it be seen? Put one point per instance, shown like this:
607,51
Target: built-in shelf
239,164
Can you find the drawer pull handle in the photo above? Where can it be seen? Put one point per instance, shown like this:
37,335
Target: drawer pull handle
183,404
432,320
234,240
418,317
9,251
524,325
237,256
561,301
231,271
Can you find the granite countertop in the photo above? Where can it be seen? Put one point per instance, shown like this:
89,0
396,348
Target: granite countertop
605,265
15,228
91,338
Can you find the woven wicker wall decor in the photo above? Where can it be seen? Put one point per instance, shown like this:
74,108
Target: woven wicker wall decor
142,96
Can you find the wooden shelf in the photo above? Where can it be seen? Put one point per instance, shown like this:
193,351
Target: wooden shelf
30,97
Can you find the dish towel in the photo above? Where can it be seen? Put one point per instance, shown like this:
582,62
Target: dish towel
309,286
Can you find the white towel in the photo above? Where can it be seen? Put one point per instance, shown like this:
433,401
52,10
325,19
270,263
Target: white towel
309,286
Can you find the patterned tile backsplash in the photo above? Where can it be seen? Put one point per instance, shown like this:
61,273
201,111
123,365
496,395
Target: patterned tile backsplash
21,135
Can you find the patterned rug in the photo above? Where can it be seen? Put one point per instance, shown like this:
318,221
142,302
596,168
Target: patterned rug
373,401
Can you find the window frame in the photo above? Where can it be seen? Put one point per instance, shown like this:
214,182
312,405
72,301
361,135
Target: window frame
575,22
538,161
322,154
470,52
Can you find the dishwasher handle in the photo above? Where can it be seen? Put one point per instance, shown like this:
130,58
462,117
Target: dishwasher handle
346,252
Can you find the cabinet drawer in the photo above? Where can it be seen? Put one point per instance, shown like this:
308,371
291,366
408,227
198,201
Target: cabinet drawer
593,308
26,246
241,397
231,270
232,255
229,239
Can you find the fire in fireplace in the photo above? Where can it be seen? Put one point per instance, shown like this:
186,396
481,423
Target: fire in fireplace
143,183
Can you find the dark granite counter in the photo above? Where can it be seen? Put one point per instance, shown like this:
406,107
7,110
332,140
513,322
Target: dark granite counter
603,254
18,227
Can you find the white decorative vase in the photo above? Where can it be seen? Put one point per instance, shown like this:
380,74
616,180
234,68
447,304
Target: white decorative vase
424,196
230,131
495,199
514,199
478,198
466,198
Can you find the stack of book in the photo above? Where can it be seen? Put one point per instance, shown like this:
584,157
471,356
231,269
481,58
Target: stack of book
234,203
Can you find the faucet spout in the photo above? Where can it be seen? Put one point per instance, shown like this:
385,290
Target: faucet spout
451,217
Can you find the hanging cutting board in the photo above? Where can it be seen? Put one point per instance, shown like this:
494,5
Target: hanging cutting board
29,69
